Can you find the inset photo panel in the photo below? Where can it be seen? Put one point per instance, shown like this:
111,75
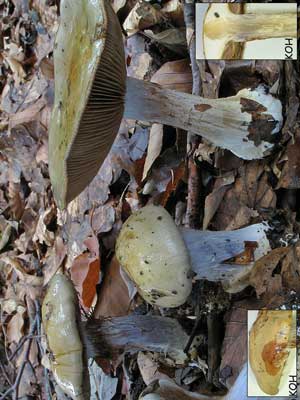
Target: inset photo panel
272,359
246,31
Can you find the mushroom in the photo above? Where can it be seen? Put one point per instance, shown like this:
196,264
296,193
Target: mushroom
59,314
92,92
271,339
219,27
159,257
72,341
110,337
153,253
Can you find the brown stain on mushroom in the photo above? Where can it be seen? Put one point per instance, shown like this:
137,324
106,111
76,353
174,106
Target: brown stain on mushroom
262,125
250,106
202,107
127,235
273,354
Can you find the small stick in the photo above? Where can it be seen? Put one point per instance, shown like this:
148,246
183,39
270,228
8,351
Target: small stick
194,179
15,387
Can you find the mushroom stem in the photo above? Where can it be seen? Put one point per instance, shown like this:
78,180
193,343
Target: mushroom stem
227,122
246,27
107,338
208,252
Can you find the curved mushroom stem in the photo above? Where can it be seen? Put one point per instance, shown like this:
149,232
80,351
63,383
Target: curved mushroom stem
108,337
209,250
246,27
243,123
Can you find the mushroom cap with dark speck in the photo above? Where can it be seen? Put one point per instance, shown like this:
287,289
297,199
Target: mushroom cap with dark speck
90,76
152,251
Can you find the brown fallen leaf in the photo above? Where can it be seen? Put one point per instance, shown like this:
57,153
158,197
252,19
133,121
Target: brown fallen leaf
139,62
173,39
214,199
149,367
175,75
173,9
290,174
142,16
178,175
262,274
15,327
290,270
250,194
16,200
234,347
154,147
54,259
85,272
113,299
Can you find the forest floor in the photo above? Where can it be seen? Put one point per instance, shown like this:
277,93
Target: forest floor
202,186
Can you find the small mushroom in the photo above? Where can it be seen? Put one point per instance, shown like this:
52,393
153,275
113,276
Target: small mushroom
90,97
271,338
220,27
160,258
59,321
72,342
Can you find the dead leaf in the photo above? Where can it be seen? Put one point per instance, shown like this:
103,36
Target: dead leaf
290,270
16,201
118,4
175,75
167,390
142,16
262,273
214,199
42,233
139,62
250,194
290,175
173,39
16,67
234,347
54,259
103,219
178,175
113,299
154,147
85,272
140,65
149,367
15,327
173,9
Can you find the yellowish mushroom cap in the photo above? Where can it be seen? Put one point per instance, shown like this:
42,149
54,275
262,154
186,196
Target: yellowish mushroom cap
90,73
271,337
152,251
59,322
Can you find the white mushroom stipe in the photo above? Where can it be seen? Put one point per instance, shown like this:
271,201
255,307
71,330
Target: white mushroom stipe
243,123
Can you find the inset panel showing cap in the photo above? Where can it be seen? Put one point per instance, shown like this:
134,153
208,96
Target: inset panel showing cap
272,369
235,31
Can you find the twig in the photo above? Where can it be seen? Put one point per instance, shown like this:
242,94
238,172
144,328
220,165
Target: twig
194,178
5,373
214,329
193,333
15,387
